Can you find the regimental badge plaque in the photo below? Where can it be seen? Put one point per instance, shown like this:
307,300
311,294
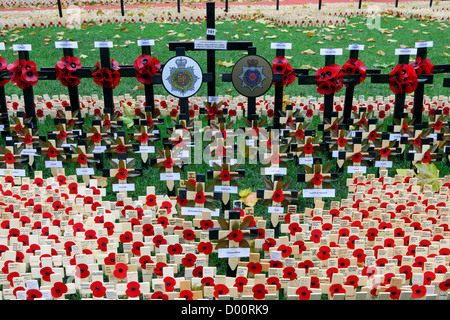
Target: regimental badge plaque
182,76
252,76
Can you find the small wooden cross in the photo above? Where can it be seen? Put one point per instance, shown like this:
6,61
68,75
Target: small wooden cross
122,174
169,168
83,159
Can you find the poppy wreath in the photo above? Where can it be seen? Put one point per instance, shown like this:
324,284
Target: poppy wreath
329,79
3,67
146,67
23,73
65,71
281,65
422,66
355,66
403,79
105,77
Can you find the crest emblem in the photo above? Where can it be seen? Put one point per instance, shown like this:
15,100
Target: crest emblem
252,76
182,76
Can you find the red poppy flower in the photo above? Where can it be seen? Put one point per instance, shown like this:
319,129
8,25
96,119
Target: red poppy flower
444,285
239,283
357,157
294,228
308,148
205,247
82,271
220,289
58,289
225,175
126,237
188,234
189,260
163,221
341,141
133,289
136,248
52,153
146,67
422,66
371,234
355,66
206,224
254,267
394,292
174,249
232,113
9,158
303,293
426,157
317,179
259,291
343,262
286,251
403,79
289,273
120,270
3,67
186,294
33,294
336,288
46,273
268,243
278,196
352,280
407,270
385,152
200,197
97,288
159,295
316,234
168,163
23,73
323,253
169,284
235,235
329,79
418,291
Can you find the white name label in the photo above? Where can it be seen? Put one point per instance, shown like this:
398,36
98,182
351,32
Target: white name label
331,52
28,152
169,176
66,45
22,47
318,193
226,189
53,164
123,187
146,149
210,44
353,169
2,46
355,46
99,149
281,45
84,171
146,42
234,252
103,44
424,44
306,160
275,209
213,99
15,172
405,51
383,164
210,32
195,211
275,170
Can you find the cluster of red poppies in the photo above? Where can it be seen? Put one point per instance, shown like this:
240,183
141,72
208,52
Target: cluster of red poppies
281,65
65,71
24,73
146,67
107,77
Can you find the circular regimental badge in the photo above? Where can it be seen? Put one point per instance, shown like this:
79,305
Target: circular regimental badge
182,76
252,76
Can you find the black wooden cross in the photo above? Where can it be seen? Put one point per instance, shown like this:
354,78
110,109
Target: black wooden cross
330,58
419,93
403,58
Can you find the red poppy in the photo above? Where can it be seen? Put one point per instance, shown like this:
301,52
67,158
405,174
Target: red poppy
394,292
422,66
259,291
355,66
97,288
126,237
316,234
303,293
206,224
317,179
65,71
341,141
371,234
323,253
294,228
58,289
136,248
385,152
200,197
268,243
254,267
239,283
235,235
289,273
163,221
33,294
82,271
120,270
107,78
220,289
278,196
208,281
9,158
205,247
133,289
23,73
168,163
418,291
46,273
281,65
329,79
174,249
407,270
336,288
189,260
286,251
444,285
403,79
357,157
343,262
169,284
352,280
186,294
3,67
426,157
308,148
146,67
52,153
158,295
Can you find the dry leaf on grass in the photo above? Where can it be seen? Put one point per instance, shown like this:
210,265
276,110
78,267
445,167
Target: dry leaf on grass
308,51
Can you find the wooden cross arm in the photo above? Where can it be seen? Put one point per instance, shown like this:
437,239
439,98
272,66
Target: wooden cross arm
301,177
239,172
384,78
442,68
190,46
435,156
134,172
424,141
321,126
446,82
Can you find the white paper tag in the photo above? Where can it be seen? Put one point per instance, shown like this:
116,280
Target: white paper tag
99,149
219,162
226,189
383,164
15,172
275,255
84,171
424,44
331,52
2,46
353,169
196,211
355,46
212,99
305,160
395,136
53,164
275,209
123,187
28,152
66,45
335,153
210,32
169,176
146,149
318,193
22,47
145,42
210,44
281,45
103,44
275,170
234,252
405,51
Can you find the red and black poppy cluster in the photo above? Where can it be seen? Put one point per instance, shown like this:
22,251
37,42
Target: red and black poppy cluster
281,65
354,66
65,71
24,73
107,77
329,79
403,79
146,67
